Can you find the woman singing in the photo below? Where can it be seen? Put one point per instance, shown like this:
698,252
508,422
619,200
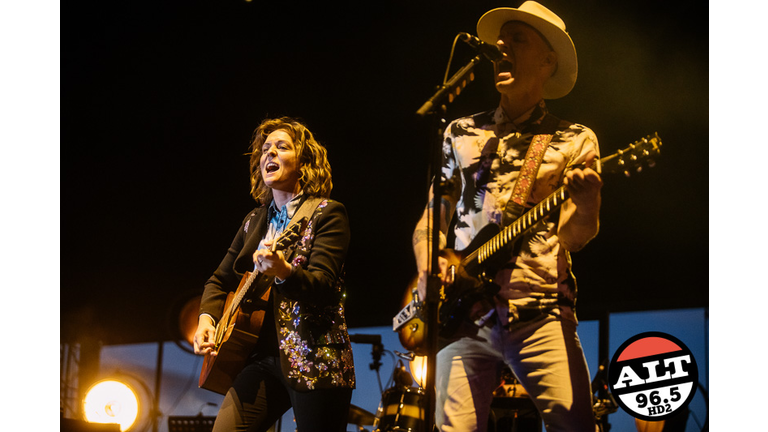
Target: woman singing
302,358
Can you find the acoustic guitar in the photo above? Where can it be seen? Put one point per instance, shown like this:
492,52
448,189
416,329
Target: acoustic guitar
492,247
238,330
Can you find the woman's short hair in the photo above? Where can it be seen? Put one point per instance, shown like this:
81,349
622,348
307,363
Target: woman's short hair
315,170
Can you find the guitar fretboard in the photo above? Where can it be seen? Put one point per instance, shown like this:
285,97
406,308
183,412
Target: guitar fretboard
513,231
241,294
230,313
621,161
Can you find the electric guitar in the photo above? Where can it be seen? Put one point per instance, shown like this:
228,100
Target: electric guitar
238,330
492,247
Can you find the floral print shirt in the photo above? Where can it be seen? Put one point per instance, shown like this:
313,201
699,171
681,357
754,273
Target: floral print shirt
483,155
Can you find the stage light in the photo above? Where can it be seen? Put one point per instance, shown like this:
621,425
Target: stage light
188,319
419,370
182,319
111,401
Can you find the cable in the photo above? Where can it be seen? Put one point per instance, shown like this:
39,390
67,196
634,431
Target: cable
450,59
195,369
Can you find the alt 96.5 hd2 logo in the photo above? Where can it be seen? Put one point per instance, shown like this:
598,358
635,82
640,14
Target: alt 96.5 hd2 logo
652,376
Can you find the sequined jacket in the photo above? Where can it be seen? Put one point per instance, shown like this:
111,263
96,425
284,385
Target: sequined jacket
312,336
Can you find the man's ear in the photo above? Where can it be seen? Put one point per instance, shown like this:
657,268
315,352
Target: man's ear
550,62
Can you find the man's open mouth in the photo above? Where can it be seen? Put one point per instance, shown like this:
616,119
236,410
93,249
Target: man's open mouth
505,66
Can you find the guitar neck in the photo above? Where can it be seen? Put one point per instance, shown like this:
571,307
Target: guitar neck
630,157
288,236
516,229
236,301
243,292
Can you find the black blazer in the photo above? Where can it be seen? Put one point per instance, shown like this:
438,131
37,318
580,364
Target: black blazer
312,336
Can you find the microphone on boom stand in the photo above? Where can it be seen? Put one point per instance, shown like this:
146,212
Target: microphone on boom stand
491,52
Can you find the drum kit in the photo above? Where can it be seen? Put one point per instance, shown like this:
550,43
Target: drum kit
402,409
403,406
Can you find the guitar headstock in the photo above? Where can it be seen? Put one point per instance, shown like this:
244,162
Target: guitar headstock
290,235
632,158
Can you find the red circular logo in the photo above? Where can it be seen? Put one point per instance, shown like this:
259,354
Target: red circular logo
653,375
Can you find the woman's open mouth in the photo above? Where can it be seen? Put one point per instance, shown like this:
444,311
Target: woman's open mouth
271,167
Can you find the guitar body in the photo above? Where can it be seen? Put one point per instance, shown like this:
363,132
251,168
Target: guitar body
466,287
469,291
236,337
412,334
238,330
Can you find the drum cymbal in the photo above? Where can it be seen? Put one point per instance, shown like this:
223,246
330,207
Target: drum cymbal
359,416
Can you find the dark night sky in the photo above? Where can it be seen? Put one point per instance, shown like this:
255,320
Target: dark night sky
159,100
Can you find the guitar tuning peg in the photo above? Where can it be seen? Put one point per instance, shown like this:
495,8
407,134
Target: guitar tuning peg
640,168
627,173
651,163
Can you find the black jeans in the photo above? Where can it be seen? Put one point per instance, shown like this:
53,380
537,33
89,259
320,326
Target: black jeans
260,395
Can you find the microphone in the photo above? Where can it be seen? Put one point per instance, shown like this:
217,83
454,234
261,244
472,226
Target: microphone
491,52
376,349
401,376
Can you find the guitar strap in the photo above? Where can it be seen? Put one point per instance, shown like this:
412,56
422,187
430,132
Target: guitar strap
544,130
306,210
524,184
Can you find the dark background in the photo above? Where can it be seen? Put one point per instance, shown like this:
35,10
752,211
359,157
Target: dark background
159,100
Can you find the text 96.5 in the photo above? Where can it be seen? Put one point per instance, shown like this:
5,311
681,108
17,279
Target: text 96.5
657,401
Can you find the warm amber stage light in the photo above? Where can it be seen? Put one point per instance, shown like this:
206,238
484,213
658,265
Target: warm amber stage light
419,370
110,401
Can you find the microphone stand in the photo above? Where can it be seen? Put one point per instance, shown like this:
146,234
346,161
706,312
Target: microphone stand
454,85
448,92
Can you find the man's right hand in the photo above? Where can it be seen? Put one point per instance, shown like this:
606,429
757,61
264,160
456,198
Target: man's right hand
205,336
424,274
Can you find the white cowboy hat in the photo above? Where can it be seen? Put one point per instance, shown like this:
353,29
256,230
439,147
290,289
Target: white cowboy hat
551,27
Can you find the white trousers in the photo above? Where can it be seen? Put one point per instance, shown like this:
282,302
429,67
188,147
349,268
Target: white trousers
545,356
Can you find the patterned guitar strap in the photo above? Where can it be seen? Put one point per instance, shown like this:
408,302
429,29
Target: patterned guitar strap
303,214
524,184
